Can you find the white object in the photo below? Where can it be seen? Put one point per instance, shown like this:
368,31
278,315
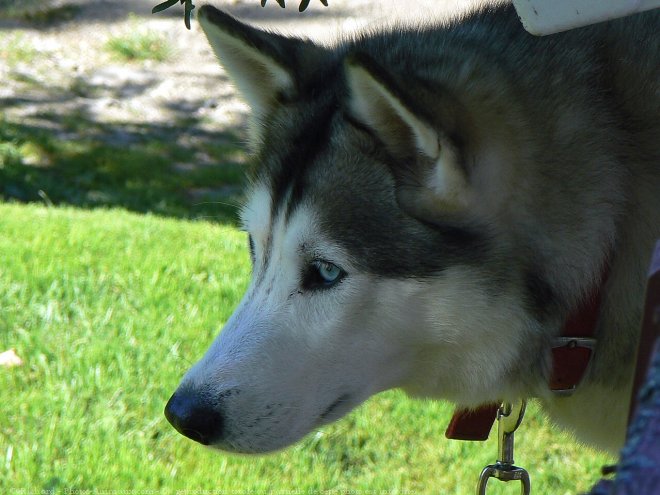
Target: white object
541,17
9,359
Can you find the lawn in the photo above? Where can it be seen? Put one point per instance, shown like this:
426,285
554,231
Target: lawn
175,170
108,308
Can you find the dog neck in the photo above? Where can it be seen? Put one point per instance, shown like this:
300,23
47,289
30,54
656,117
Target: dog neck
571,354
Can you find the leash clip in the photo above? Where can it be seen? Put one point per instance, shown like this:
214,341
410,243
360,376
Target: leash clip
509,417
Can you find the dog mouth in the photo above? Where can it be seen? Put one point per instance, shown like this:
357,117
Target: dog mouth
336,409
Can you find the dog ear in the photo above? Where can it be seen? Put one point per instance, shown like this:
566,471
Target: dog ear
430,179
262,65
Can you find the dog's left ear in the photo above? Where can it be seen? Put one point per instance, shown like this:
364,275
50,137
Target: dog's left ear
267,68
430,180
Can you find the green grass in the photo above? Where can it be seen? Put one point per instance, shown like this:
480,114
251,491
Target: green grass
139,45
48,16
15,49
149,169
108,309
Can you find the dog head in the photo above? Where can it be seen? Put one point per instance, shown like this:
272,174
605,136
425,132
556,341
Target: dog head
372,265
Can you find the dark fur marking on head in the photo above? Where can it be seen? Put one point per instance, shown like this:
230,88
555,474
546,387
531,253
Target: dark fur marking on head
398,246
288,182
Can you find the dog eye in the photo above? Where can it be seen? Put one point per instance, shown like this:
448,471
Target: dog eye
323,275
329,272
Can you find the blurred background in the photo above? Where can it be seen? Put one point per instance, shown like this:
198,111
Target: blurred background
105,104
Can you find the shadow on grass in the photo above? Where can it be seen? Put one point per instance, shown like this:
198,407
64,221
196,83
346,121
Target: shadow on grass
178,170
68,157
62,139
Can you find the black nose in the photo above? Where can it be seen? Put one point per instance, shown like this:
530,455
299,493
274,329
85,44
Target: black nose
192,417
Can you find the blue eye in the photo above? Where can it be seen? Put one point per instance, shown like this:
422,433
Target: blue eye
329,272
322,275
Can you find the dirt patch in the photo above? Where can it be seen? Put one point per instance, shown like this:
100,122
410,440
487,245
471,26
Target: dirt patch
61,78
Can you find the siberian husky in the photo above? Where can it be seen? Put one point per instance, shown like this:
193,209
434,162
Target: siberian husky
427,208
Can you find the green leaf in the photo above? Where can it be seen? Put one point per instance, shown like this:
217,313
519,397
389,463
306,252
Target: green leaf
162,6
303,4
279,2
169,3
188,13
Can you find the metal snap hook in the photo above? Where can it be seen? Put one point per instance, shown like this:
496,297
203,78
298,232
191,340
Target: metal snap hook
504,473
509,417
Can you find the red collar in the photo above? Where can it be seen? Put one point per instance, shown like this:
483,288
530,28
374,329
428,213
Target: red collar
571,355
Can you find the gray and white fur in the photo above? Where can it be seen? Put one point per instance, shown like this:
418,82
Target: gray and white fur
427,207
